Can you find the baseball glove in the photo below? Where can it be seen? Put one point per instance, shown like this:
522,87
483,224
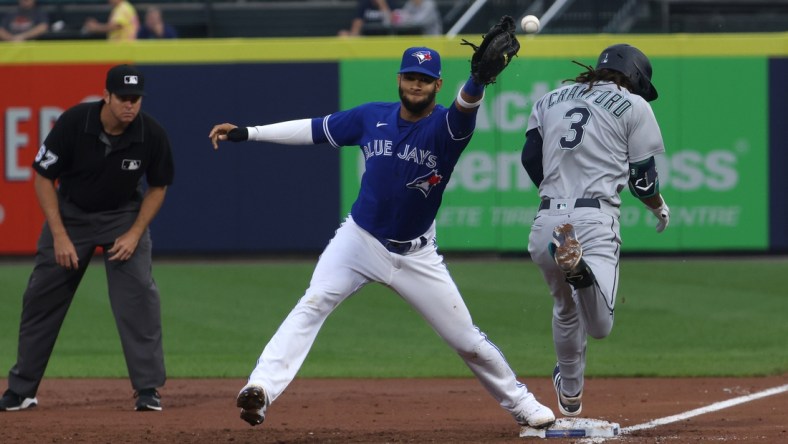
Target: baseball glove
498,47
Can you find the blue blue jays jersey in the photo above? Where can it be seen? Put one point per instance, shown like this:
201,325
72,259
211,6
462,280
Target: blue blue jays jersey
407,164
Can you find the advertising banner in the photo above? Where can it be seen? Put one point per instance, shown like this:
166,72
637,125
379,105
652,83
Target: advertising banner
262,198
33,98
713,175
242,198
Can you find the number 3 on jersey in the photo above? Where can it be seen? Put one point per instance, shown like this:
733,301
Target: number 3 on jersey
578,117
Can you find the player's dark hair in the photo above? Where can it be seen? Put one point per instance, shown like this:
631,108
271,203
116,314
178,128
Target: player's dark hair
591,76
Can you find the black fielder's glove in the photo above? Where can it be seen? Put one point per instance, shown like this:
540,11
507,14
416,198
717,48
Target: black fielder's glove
498,47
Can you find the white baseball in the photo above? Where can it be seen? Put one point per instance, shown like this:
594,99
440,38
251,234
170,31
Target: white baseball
530,24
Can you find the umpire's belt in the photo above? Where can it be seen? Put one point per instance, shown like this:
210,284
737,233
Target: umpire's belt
579,203
404,247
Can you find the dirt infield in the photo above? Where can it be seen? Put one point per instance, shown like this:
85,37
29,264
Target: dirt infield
378,411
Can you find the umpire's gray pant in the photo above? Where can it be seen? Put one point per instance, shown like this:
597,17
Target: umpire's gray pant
133,297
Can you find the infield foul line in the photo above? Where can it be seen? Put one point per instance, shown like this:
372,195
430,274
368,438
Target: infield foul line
708,409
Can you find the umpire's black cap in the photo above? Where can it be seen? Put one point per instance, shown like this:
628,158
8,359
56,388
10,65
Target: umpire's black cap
125,80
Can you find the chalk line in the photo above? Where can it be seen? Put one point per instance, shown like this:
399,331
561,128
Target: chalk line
700,411
708,409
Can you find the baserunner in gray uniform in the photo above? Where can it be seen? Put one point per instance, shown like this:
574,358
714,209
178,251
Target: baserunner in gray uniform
585,142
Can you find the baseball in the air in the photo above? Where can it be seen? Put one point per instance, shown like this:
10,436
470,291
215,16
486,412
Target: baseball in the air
530,24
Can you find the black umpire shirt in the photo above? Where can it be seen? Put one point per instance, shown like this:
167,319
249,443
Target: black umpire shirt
95,176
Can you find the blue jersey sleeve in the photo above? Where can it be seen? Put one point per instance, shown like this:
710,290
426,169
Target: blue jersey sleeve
342,128
348,128
460,124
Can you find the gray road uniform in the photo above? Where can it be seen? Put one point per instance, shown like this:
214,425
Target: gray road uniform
589,140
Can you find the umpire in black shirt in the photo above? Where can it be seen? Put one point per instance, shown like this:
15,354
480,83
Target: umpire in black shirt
89,183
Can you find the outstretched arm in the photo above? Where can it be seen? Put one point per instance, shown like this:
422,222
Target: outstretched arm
292,132
470,96
489,59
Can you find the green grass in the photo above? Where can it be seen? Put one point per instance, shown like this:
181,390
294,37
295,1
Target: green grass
673,318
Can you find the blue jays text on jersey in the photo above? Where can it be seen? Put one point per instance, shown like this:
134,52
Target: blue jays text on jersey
407,164
413,154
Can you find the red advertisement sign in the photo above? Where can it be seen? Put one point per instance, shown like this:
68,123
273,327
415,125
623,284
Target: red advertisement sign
33,96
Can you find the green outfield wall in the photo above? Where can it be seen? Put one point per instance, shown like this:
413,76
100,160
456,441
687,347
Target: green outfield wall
719,110
714,174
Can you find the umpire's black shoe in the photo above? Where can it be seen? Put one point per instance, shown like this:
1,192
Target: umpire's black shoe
567,405
147,400
11,402
253,403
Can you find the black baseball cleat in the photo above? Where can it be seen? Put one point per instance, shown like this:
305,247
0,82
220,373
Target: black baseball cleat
568,255
148,400
253,403
567,405
11,402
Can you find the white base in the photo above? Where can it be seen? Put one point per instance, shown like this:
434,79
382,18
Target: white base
574,428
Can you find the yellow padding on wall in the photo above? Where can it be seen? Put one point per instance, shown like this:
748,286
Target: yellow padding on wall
385,47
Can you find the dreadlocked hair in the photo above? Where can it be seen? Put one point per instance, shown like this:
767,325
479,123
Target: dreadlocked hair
591,76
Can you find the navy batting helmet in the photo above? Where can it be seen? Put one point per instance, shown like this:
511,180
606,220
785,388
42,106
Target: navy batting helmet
631,62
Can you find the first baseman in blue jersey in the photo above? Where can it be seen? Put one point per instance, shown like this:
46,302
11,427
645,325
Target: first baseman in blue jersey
410,149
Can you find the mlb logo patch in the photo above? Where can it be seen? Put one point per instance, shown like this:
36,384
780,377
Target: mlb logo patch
131,164
130,80
560,206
